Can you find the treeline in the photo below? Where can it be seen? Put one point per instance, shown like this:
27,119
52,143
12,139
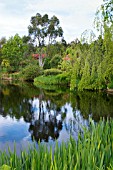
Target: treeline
44,53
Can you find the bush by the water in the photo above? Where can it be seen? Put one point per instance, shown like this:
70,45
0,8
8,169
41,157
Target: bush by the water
47,80
30,72
110,85
92,151
60,79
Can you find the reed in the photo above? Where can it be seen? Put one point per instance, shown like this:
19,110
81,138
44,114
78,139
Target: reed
92,151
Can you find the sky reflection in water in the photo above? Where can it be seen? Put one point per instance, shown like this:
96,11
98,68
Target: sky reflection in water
28,113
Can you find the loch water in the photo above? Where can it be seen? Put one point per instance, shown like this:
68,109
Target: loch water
29,113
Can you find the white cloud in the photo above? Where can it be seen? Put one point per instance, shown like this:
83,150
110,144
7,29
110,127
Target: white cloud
75,16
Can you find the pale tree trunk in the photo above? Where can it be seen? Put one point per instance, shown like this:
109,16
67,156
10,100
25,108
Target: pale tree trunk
41,62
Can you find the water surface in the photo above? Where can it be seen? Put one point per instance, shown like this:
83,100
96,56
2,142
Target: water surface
28,113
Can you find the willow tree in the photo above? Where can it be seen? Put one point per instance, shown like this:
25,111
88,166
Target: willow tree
104,15
104,24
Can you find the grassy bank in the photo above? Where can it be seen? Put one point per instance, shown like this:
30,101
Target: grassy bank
92,151
60,79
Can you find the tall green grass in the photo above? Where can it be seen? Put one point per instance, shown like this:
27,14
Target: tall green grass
92,151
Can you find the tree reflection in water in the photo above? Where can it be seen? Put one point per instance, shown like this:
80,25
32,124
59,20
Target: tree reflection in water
53,114
46,123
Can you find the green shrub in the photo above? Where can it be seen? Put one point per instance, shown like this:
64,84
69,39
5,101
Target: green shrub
47,80
52,71
110,85
59,79
55,61
63,78
15,76
30,72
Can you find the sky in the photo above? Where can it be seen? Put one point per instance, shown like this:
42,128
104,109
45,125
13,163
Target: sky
75,15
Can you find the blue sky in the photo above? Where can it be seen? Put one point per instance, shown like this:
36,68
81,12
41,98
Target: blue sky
75,15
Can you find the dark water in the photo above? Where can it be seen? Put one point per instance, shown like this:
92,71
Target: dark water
28,113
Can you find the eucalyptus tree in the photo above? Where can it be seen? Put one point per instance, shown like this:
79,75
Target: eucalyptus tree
54,29
44,30
38,28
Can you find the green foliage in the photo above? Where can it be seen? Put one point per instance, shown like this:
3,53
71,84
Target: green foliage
54,55
63,78
2,42
55,61
85,80
100,78
95,67
90,66
44,30
30,72
5,167
13,51
47,80
110,85
72,64
108,55
52,71
83,65
15,76
104,15
5,65
92,150
60,79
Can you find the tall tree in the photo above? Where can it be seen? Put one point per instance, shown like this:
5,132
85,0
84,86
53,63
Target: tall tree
104,23
13,51
2,42
54,30
44,30
104,16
